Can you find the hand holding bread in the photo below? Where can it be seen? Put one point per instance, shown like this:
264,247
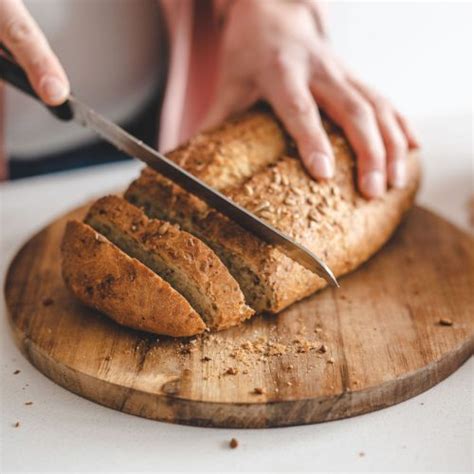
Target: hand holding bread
278,52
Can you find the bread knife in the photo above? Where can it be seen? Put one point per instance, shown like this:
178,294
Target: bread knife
74,109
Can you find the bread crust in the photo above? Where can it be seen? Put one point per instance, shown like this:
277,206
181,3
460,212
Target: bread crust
331,218
186,262
231,153
102,276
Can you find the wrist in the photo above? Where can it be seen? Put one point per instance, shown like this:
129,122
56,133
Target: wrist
223,9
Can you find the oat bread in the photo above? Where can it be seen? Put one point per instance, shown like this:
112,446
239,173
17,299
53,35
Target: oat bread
331,218
102,276
181,259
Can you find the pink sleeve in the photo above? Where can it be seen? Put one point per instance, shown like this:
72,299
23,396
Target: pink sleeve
195,38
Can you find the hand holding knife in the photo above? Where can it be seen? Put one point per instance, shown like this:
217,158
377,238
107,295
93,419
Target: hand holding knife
74,109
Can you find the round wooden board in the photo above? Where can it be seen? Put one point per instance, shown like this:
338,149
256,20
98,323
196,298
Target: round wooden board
381,333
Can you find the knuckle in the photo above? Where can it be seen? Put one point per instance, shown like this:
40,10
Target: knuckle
280,61
367,165
38,63
382,105
402,120
326,70
397,144
18,31
376,158
299,105
358,110
373,156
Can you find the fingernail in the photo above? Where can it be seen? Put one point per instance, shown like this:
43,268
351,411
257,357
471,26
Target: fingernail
397,172
321,165
54,89
373,184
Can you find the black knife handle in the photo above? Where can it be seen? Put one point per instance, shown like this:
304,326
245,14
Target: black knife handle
14,74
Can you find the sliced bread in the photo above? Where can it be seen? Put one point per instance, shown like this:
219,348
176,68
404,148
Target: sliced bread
102,276
181,259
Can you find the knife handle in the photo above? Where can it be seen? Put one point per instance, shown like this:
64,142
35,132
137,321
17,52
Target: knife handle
12,73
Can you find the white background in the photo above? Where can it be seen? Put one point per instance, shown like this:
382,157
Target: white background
421,56
417,53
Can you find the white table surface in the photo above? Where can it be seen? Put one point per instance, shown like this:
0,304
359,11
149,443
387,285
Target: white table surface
63,432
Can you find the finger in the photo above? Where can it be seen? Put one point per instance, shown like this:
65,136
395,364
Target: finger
413,142
289,95
230,98
20,33
380,102
396,147
395,141
355,115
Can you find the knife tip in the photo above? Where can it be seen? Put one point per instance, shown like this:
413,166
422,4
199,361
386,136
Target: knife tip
333,281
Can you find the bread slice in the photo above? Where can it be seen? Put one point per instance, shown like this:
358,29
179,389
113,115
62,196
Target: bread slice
105,278
181,259
331,218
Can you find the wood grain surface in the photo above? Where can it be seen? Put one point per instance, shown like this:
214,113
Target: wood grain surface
374,342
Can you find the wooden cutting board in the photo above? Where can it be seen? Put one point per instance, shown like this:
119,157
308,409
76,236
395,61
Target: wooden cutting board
374,342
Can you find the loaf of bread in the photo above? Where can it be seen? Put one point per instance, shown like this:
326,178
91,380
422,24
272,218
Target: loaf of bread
105,278
179,267
330,218
181,259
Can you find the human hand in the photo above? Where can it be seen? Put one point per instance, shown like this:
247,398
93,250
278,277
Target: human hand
21,35
276,51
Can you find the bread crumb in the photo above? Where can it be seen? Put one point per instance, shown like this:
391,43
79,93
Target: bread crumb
17,371
185,349
231,371
206,359
323,349
445,322
48,301
258,391
233,443
331,360
289,384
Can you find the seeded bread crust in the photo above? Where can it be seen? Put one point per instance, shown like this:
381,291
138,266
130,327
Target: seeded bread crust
226,156
330,218
188,264
102,276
